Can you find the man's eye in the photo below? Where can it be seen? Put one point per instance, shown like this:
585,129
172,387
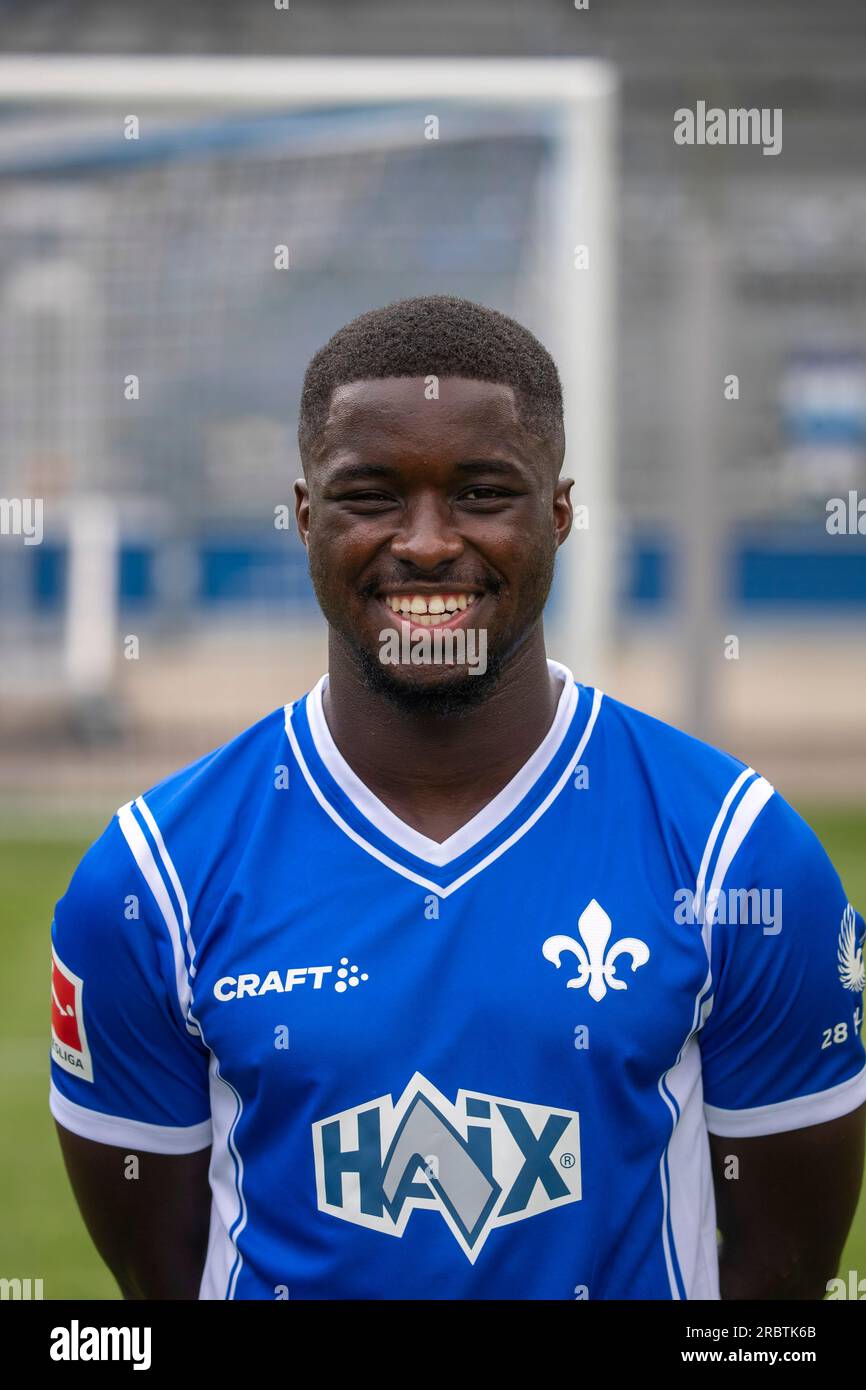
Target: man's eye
483,494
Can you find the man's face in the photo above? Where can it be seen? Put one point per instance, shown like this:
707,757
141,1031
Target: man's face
446,505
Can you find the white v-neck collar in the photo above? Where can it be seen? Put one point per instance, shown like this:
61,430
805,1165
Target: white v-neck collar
483,822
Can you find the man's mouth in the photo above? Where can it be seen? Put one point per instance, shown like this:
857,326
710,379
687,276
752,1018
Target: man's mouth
448,608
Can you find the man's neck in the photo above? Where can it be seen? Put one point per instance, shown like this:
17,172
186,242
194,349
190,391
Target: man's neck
437,773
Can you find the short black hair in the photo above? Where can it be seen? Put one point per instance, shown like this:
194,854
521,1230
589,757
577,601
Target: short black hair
436,335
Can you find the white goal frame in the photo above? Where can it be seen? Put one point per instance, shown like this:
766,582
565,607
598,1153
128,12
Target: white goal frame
582,94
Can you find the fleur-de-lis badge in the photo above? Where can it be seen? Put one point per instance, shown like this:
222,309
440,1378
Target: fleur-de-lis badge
596,965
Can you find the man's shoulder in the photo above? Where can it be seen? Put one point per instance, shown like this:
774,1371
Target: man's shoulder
660,745
196,817
708,792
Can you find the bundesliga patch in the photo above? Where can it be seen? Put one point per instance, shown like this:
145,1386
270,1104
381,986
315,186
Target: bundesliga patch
68,1039
481,1162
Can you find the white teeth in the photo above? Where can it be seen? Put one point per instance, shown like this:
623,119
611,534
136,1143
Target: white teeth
433,606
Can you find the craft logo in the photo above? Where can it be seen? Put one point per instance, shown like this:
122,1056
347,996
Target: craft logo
481,1162
68,1038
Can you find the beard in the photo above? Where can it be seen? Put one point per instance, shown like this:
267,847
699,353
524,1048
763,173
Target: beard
441,699
456,692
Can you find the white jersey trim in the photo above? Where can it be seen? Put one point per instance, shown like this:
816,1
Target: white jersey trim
442,890
688,1198
798,1113
434,852
700,887
692,1218
148,817
224,1261
752,802
123,1132
143,855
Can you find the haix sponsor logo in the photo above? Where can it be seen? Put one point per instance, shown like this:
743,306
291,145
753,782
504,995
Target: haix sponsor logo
481,1162
77,1343
251,985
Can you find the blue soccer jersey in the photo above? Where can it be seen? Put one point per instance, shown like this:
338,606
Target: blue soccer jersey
480,1069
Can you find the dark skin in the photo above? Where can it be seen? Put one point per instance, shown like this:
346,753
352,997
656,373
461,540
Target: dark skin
152,1230
406,495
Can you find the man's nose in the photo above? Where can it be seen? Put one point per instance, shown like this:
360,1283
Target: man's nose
427,537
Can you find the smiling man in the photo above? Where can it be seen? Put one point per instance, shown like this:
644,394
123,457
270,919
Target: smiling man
419,988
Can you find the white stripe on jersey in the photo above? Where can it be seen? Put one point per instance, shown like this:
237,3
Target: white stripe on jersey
172,873
143,855
444,890
685,1084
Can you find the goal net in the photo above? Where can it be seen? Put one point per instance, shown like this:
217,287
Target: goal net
176,238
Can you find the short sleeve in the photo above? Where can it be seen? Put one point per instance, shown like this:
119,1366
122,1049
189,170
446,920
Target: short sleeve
127,1067
781,1047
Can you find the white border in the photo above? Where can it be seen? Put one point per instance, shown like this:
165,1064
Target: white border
126,1133
798,1113
441,890
484,821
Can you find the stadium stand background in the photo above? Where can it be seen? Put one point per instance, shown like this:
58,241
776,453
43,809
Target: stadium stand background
792,230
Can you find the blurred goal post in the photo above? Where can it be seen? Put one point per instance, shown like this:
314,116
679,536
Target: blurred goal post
580,99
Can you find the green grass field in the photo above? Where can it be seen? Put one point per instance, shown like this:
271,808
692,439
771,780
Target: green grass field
43,1236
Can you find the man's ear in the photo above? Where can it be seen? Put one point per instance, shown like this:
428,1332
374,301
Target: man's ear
302,509
563,512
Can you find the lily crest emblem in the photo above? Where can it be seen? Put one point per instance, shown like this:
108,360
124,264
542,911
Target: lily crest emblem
596,964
